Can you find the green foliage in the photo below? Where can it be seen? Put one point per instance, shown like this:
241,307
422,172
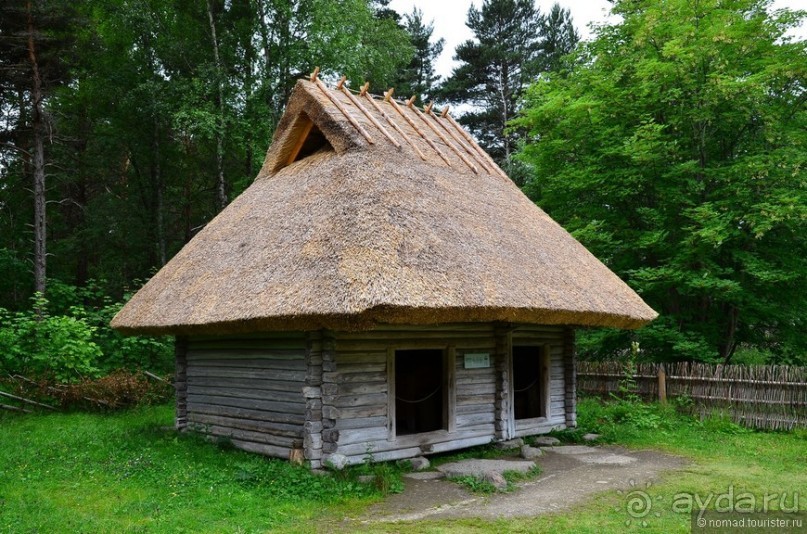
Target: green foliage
619,417
513,477
418,78
478,485
675,151
474,484
386,475
122,199
43,345
387,478
512,44
720,422
69,338
628,388
130,471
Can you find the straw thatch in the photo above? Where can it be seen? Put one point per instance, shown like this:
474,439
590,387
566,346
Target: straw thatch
354,234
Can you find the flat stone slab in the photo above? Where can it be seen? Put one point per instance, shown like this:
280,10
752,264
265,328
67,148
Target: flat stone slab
546,441
425,475
576,449
478,468
509,444
606,459
594,455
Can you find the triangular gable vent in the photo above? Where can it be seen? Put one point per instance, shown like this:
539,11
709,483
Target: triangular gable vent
306,139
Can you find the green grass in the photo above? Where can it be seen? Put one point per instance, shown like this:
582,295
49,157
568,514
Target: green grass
129,473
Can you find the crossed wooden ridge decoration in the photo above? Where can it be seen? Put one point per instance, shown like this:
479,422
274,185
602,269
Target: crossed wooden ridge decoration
462,145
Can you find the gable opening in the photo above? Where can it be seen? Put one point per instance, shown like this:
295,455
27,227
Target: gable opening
420,393
310,140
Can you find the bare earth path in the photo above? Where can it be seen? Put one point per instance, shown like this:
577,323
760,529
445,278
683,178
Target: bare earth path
569,475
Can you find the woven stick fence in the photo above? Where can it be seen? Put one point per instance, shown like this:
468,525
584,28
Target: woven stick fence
765,396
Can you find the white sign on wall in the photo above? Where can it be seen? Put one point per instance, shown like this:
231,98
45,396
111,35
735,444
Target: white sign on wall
477,360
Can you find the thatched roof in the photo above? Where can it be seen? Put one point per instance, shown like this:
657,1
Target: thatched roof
343,233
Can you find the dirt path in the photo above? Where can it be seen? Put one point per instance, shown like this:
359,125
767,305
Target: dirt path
569,475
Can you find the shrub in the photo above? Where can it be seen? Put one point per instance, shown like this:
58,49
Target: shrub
68,338
43,346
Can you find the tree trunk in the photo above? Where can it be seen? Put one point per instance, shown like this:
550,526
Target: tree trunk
505,96
221,186
157,179
727,350
37,123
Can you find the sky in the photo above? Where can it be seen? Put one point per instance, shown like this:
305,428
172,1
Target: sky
449,19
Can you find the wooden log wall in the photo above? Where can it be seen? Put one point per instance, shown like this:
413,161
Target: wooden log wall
358,385
250,390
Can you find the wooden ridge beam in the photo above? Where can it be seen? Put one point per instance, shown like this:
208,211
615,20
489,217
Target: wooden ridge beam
355,101
410,104
471,152
396,107
473,143
390,120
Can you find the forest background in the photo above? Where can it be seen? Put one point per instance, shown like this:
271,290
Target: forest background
671,144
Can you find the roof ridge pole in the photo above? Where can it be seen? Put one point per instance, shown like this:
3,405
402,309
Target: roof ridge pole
396,107
389,119
471,152
471,141
339,106
355,101
410,105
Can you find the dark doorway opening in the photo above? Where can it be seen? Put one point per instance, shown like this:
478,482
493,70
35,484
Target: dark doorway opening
419,391
528,394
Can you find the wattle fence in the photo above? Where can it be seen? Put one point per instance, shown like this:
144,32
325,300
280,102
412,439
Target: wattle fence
766,396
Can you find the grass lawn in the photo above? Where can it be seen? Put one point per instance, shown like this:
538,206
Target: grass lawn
131,472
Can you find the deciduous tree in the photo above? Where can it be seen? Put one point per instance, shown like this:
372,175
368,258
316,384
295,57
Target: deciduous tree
676,152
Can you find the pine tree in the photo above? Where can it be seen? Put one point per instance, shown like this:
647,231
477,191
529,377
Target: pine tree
513,43
558,38
419,77
34,59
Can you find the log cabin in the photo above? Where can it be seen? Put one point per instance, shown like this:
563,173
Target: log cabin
381,288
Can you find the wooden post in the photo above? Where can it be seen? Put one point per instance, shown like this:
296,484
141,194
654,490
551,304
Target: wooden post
181,382
391,421
450,389
570,377
662,385
339,106
409,104
504,423
296,453
312,392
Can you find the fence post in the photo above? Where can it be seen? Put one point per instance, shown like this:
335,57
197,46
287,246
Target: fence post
662,384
